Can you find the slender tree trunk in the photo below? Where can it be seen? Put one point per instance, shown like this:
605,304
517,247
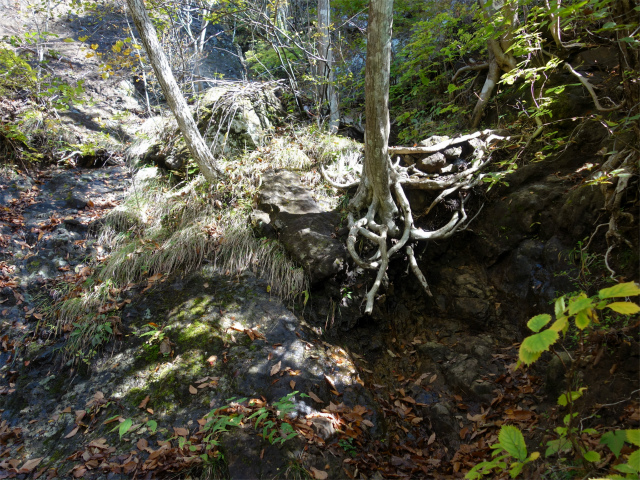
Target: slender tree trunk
178,105
327,94
375,189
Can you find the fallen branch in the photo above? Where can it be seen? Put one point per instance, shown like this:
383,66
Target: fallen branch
591,91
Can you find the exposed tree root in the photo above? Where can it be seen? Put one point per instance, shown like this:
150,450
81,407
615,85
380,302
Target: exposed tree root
387,240
624,163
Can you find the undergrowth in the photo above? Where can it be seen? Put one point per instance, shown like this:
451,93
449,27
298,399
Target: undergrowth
160,230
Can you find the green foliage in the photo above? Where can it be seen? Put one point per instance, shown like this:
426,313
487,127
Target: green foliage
583,309
272,419
509,453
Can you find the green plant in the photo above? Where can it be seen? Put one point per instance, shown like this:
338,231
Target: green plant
581,312
347,446
510,452
272,420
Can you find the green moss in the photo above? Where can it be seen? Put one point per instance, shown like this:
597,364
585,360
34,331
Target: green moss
135,396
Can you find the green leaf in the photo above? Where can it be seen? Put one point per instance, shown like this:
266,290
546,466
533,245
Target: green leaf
579,303
624,468
539,321
582,319
516,469
153,425
68,40
634,461
608,25
540,342
560,307
528,357
614,440
512,441
626,308
555,446
633,437
629,289
560,325
592,456
566,398
124,427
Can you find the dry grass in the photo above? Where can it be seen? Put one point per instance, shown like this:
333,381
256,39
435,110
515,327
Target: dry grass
164,230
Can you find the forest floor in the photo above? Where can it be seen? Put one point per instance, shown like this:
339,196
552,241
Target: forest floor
414,393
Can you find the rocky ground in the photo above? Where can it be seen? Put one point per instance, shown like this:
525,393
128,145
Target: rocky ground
418,390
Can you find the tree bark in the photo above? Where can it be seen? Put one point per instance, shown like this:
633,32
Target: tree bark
178,105
327,94
375,189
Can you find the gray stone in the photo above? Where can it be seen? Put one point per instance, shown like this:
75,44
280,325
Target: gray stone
432,164
433,140
77,200
41,266
435,351
146,175
452,153
303,228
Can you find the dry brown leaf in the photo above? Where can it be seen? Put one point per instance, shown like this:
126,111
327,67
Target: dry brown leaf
30,465
368,423
72,432
276,368
99,443
314,397
192,390
143,403
80,415
293,384
67,410
433,379
319,474
432,438
165,347
142,444
79,471
181,432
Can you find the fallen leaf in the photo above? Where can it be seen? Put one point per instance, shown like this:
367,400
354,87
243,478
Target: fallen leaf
319,474
67,410
192,390
30,465
315,398
181,432
142,444
165,347
433,379
276,368
293,384
143,403
72,432
432,438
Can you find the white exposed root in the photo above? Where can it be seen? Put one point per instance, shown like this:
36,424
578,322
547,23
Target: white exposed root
378,234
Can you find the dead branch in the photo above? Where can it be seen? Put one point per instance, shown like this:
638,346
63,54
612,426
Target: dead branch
476,67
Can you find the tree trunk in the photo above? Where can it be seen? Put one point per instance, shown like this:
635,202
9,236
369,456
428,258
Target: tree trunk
178,105
375,189
327,92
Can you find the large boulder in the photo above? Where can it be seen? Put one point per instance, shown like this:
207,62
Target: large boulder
231,119
306,231
234,120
